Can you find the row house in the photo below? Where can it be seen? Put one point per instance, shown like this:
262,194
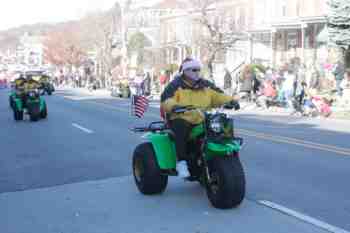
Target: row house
284,29
277,30
182,34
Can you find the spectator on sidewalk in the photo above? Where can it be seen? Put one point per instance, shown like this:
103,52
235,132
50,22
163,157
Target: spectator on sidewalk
228,82
345,85
269,94
315,82
288,87
246,83
146,84
338,73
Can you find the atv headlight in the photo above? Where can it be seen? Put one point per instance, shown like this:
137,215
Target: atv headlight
216,126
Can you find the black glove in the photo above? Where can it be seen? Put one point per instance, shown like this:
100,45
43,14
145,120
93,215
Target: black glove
232,105
181,109
178,109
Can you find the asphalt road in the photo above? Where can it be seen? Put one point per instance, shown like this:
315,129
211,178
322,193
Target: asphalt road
82,152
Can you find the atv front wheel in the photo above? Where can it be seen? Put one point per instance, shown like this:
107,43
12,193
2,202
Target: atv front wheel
227,187
147,174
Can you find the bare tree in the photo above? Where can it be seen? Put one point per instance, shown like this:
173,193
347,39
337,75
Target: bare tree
220,32
62,46
102,32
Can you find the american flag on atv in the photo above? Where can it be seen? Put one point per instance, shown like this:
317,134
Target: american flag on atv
139,105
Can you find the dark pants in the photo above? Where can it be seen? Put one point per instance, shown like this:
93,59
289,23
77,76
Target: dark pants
339,89
182,130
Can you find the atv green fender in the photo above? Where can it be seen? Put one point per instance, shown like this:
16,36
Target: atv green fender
215,149
42,104
18,104
164,149
12,94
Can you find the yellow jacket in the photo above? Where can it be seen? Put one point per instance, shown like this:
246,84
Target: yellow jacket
31,85
204,96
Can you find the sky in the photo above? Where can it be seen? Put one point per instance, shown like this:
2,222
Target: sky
14,13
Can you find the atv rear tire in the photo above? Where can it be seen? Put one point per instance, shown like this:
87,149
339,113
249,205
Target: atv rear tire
34,117
18,115
147,174
227,190
43,113
12,103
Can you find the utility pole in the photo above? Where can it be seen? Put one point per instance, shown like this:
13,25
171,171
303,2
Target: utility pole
123,4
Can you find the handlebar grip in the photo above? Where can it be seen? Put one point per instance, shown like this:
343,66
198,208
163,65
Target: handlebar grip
139,129
182,109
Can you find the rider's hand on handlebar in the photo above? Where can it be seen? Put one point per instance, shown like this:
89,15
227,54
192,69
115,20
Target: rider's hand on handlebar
232,105
181,109
178,109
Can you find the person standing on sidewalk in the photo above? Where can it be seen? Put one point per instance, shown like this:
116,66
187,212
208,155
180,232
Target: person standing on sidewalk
345,85
339,72
228,82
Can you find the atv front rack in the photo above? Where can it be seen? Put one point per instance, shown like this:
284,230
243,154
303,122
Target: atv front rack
155,126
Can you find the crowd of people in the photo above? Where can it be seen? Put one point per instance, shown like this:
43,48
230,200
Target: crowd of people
300,90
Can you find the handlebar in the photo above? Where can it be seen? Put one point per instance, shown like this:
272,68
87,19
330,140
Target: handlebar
152,127
182,109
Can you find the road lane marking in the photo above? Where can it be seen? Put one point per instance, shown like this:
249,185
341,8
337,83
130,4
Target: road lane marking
294,141
82,128
303,217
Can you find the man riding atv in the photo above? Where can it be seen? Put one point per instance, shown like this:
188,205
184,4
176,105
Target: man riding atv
17,89
189,89
25,98
46,85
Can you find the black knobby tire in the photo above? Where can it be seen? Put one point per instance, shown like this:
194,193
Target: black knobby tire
11,102
147,174
43,113
34,117
34,112
18,115
228,189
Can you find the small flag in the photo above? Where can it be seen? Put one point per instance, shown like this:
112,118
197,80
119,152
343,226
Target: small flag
139,105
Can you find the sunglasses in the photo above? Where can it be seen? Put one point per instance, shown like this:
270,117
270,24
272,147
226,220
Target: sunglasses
196,70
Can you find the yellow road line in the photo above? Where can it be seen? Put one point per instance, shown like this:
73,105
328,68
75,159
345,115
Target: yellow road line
294,141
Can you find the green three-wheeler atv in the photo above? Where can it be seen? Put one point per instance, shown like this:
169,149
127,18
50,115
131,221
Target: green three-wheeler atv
214,159
27,101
